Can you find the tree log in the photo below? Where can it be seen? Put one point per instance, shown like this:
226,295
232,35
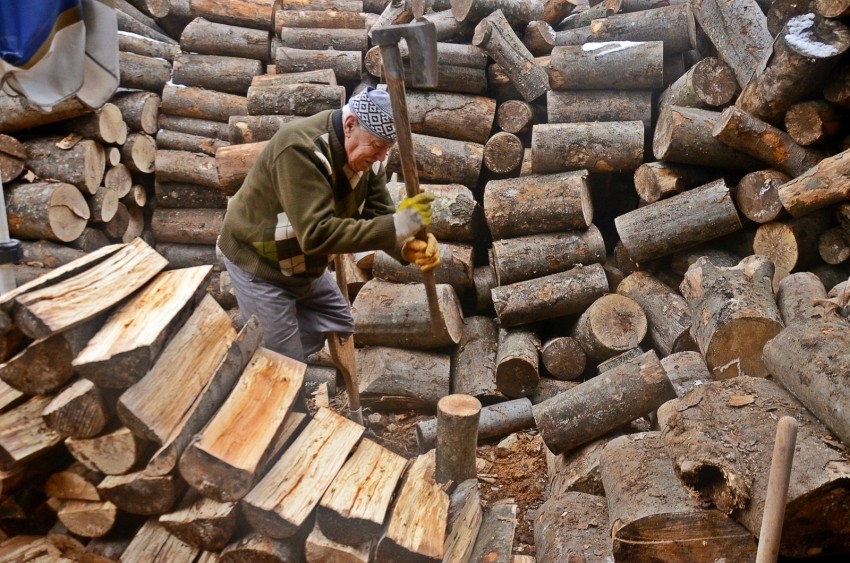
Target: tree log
804,53
595,146
474,360
518,14
279,505
19,114
535,256
495,36
611,325
81,410
734,314
257,14
145,46
267,97
696,430
456,261
495,421
257,547
442,160
187,101
503,153
792,243
518,116
189,255
448,54
674,25
319,19
49,211
549,297
48,254
570,106
353,509
757,195
496,534
532,205
215,72
139,72
687,371
211,38
188,196
112,453
12,157
563,357
457,439
202,522
833,247
103,205
822,185
615,64
318,548
652,515
709,83
193,126
454,116
455,214
23,433
517,362
172,140
318,39
82,164
88,519
812,121
398,379
655,181
679,222
837,90
233,164
347,65
798,298
603,403
184,166
245,129
139,152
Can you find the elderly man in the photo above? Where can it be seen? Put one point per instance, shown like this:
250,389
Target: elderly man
317,189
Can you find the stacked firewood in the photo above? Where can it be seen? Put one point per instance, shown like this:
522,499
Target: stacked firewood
643,215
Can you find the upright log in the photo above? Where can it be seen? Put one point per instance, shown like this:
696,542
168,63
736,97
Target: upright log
622,65
734,314
595,146
603,403
474,360
799,298
818,187
517,362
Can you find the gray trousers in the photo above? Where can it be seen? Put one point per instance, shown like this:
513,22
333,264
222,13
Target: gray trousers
295,321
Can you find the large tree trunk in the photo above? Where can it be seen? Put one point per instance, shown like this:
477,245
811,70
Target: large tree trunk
82,164
604,147
617,65
696,430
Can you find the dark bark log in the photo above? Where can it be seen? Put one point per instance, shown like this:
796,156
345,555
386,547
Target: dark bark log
187,101
211,38
837,89
141,493
231,75
674,25
655,181
517,362
49,211
709,83
195,126
822,185
140,24
562,533
812,121
243,129
24,435
173,140
598,10
474,360
563,357
617,65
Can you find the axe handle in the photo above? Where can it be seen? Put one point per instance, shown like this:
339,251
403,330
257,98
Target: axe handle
394,75
342,352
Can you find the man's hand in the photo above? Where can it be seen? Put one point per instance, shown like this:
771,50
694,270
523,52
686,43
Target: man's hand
424,254
420,203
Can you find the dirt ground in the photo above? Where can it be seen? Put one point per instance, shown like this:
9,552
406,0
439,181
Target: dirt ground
514,468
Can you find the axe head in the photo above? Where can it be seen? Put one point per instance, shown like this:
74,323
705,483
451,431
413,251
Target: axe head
421,39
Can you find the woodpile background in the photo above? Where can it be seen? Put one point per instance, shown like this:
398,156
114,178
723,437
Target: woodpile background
644,215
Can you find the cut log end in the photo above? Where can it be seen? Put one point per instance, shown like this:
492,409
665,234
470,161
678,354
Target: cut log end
731,349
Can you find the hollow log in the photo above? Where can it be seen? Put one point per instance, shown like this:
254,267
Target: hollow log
245,129
603,403
233,164
696,429
82,164
23,433
528,206
195,126
347,65
570,106
614,64
442,160
112,453
548,297
456,262
804,53
812,121
595,146
651,513
734,314
534,256
818,187
49,211
188,101
212,38
674,25
757,195
495,421
139,72
679,222
709,83
655,181
269,97
563,357
667,313
398,379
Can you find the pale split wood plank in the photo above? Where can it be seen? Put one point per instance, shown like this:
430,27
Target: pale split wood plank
353,509
283,500
153,544
23,433
71,302
128,343
463,531
225,460
9,396
154,406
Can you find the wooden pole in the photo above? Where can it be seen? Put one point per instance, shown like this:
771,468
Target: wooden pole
777,490
457,438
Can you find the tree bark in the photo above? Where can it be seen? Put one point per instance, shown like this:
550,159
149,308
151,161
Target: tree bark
455,214
145,46
822,185
597,147
655,181
231,75
474,360
518,14
518,116
133,21
112,453
757,195
709,83
453,116
245,129
233,164
269,97
448,55
517,362
603,403
441,160
195,126
82,164
611,325
12,157
202,522
139,72
257,14
615,65
803,55
532,205
187,101
257,547
534,256
184,166
798,298
792,243
696,430
552,296
496,533
398,379
674,25
49,211
812,121
562,533
188,196
346,65
686,370
457,439
19,114
563,357
211,38
571,106
679,222
456,260
734,314
173,140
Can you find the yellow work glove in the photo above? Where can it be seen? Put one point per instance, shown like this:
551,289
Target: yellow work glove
420,203
424,254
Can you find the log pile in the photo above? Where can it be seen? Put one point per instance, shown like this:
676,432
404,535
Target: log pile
642,208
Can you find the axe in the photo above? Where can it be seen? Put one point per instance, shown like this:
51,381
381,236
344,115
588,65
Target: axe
421,39
342,351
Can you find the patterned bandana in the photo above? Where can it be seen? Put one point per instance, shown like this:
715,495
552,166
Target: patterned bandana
373,110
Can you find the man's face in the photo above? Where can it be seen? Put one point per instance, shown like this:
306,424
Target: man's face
361,147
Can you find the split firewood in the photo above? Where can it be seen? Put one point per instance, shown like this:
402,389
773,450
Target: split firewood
820,186
734,314
571,525
257,547
456,263
347,65
88,519
200,226
803,54
211,38
570,106
196,126
23,433
139,72
757,195
105,550
76,482
394,378
380,305
609,400
577,470
184,166
246,129
667,313
604,147
517,362
112,453
679,222
674,25
696,433
353,510
188,101
47,311
153,541
82,163
202,522
549,297
9,397
550,203
126,347
319,548
621,65
280,504
29,548
142,493
91,240
19,114
652,515
611,325
496,533
474,360
495,421
442,160
81,410
464,521
225,460
417,523
267,97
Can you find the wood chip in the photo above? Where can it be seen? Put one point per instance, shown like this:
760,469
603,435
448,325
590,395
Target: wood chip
741,400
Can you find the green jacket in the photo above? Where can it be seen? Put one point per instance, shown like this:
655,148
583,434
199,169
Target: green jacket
301,203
